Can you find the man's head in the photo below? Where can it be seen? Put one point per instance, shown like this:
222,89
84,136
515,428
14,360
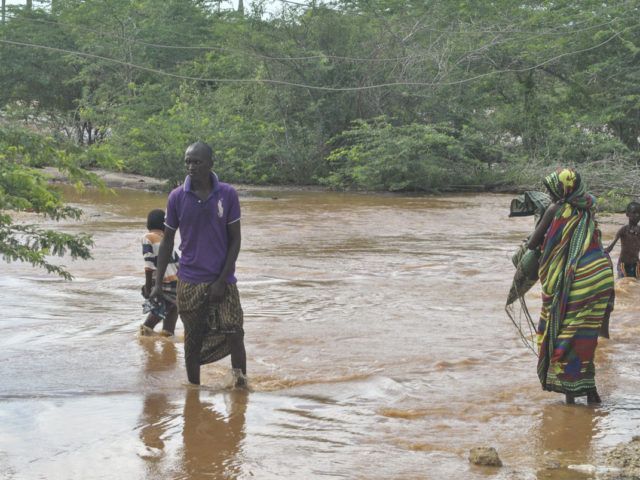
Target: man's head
198,159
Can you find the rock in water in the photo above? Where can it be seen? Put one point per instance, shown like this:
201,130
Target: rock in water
485,456
589,469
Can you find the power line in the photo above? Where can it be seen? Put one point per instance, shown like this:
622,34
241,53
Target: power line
313,87
310,57
220,49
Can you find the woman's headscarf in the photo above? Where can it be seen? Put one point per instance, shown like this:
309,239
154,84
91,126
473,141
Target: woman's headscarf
567,186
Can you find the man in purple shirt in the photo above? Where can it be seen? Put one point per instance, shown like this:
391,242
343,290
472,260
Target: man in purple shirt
207,212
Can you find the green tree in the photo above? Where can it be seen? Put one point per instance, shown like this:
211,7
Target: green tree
380,156
512,84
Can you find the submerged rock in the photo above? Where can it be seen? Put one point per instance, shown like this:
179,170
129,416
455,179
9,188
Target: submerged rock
485,456
588,469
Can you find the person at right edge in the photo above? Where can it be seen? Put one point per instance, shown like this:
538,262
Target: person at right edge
577,284
207,212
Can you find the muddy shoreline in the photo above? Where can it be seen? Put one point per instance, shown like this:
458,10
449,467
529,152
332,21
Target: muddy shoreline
135,181
142,182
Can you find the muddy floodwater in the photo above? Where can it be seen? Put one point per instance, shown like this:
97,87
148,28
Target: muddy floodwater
377,348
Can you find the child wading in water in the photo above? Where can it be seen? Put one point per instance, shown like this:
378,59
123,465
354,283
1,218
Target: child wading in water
166,309
629,235
628,261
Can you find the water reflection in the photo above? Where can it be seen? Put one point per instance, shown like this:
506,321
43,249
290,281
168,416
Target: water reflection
212,439
160,355
566,431
154,420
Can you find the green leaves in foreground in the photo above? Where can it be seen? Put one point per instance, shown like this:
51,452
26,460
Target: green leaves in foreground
26,189
28,243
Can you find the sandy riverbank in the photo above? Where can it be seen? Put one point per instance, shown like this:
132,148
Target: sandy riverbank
152,184
116,179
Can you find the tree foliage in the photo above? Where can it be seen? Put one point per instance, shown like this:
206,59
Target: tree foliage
24,188
353,94
411,157
296,95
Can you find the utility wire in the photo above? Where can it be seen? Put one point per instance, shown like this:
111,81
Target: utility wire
312,87
219,49
307,57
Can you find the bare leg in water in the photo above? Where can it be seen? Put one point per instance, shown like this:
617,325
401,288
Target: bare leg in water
169,323
192,363
593,397
238,360
238,357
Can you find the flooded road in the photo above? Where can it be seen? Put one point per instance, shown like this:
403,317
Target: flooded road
377,348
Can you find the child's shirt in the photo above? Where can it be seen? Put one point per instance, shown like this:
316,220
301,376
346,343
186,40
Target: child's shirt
150,248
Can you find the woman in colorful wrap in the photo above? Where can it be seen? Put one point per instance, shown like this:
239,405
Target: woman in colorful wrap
577,283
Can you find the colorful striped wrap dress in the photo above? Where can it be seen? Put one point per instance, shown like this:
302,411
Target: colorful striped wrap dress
577,283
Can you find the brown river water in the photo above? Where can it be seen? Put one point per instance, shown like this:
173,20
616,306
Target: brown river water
377,344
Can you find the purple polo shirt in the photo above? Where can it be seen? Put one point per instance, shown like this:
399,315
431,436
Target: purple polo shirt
203,229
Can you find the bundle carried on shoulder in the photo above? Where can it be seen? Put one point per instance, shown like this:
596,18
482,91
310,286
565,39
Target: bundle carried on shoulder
531,203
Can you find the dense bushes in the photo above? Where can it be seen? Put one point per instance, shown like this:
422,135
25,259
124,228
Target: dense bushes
397,96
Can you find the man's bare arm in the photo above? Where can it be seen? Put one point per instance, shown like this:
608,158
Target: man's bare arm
234,238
